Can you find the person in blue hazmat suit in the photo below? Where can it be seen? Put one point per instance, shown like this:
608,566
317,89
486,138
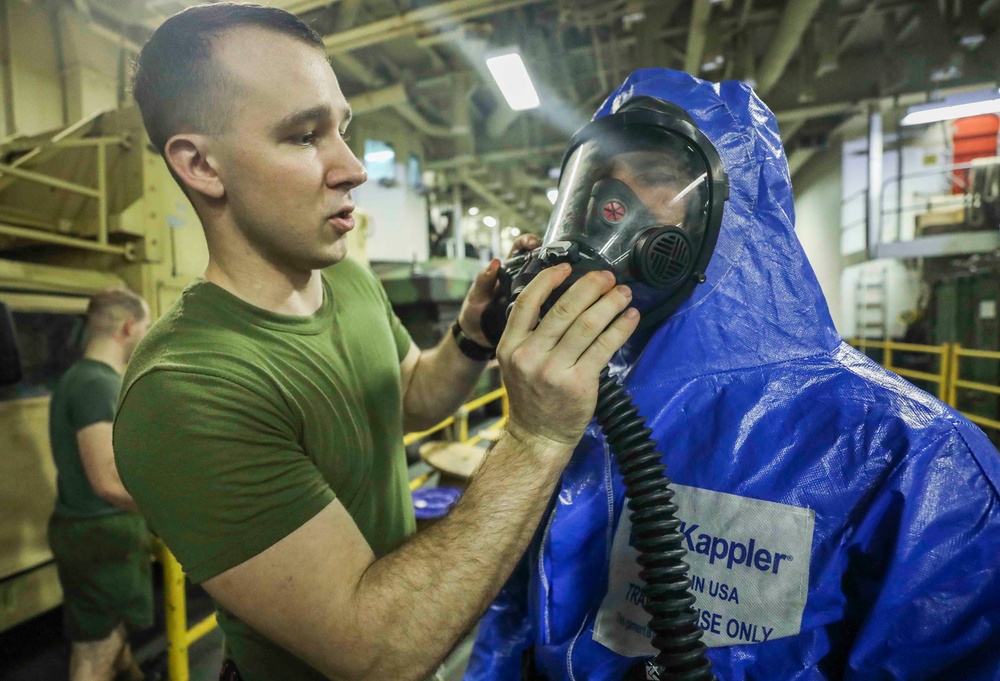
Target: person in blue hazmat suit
839,523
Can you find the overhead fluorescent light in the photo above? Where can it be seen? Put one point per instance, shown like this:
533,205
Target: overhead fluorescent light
474,211
515,232
513,80
950,109
489,221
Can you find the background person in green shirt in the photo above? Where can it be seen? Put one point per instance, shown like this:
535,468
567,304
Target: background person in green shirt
260,423
100,545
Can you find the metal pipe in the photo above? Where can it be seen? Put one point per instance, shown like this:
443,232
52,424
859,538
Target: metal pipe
947,168
73,143
785,42
981,354
808,112
6,79
457,209
495,156
697,34
175,607
435,16
48,181
602,76
102,195
414,117
45,237
378,99
899,185
873,233
206,626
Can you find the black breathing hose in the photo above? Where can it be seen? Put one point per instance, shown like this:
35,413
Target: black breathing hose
666,592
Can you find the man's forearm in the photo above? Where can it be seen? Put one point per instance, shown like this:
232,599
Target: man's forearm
442,380
418,601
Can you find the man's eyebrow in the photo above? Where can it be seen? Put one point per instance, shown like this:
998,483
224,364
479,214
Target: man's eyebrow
293,120
348,117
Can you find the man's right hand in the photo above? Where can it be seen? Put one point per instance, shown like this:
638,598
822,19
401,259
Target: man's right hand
551,368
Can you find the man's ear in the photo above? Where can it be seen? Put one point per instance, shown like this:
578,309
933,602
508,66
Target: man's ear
127,326
188,156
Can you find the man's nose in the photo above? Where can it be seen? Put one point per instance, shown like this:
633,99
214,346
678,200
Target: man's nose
344,169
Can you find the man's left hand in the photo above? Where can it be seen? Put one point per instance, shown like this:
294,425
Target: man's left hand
481,293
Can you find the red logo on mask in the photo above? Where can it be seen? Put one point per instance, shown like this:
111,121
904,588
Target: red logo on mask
614,211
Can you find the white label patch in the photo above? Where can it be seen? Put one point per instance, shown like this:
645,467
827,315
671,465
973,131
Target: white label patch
749,563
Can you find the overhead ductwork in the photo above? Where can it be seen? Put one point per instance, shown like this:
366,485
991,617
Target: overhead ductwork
785,43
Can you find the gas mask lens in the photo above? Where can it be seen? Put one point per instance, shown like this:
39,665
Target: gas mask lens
636,202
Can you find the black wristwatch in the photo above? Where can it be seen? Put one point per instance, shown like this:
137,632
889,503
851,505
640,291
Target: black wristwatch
469,347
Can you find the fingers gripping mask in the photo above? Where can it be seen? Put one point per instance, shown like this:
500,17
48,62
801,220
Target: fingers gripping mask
641,194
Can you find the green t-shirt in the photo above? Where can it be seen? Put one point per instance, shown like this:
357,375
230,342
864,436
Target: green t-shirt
85,395
237,425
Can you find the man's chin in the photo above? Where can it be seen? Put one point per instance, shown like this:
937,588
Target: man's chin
331,256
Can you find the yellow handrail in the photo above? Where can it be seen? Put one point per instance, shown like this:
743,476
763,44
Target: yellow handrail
956,382
180,638
949,379
889,346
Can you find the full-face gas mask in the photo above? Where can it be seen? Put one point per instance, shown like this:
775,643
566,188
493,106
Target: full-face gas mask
641,194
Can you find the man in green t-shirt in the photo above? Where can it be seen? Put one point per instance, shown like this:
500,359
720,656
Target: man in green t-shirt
99,542
260,423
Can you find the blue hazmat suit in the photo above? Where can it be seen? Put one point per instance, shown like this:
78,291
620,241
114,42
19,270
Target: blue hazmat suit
839,522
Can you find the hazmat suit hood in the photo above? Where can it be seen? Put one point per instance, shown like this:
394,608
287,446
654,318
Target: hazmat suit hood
807,477
761,302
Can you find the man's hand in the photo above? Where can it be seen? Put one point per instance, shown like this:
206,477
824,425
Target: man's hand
481,293
551,368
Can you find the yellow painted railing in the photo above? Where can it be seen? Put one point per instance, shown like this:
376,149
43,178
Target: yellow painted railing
888,347
180,638
949,377
956,382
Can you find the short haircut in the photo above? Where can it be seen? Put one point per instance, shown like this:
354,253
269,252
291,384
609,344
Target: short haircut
175,83
111,307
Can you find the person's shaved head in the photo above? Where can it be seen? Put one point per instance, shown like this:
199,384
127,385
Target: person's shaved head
110,308
178,86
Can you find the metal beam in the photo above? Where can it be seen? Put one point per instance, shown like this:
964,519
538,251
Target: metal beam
873,213
378,99
38,235
416,119
788,131
866,16
303,6
785,42
744,14
495,157
700,14
358,70
486,193
798,158
6,78
956,243
395,97
808,112
442,15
